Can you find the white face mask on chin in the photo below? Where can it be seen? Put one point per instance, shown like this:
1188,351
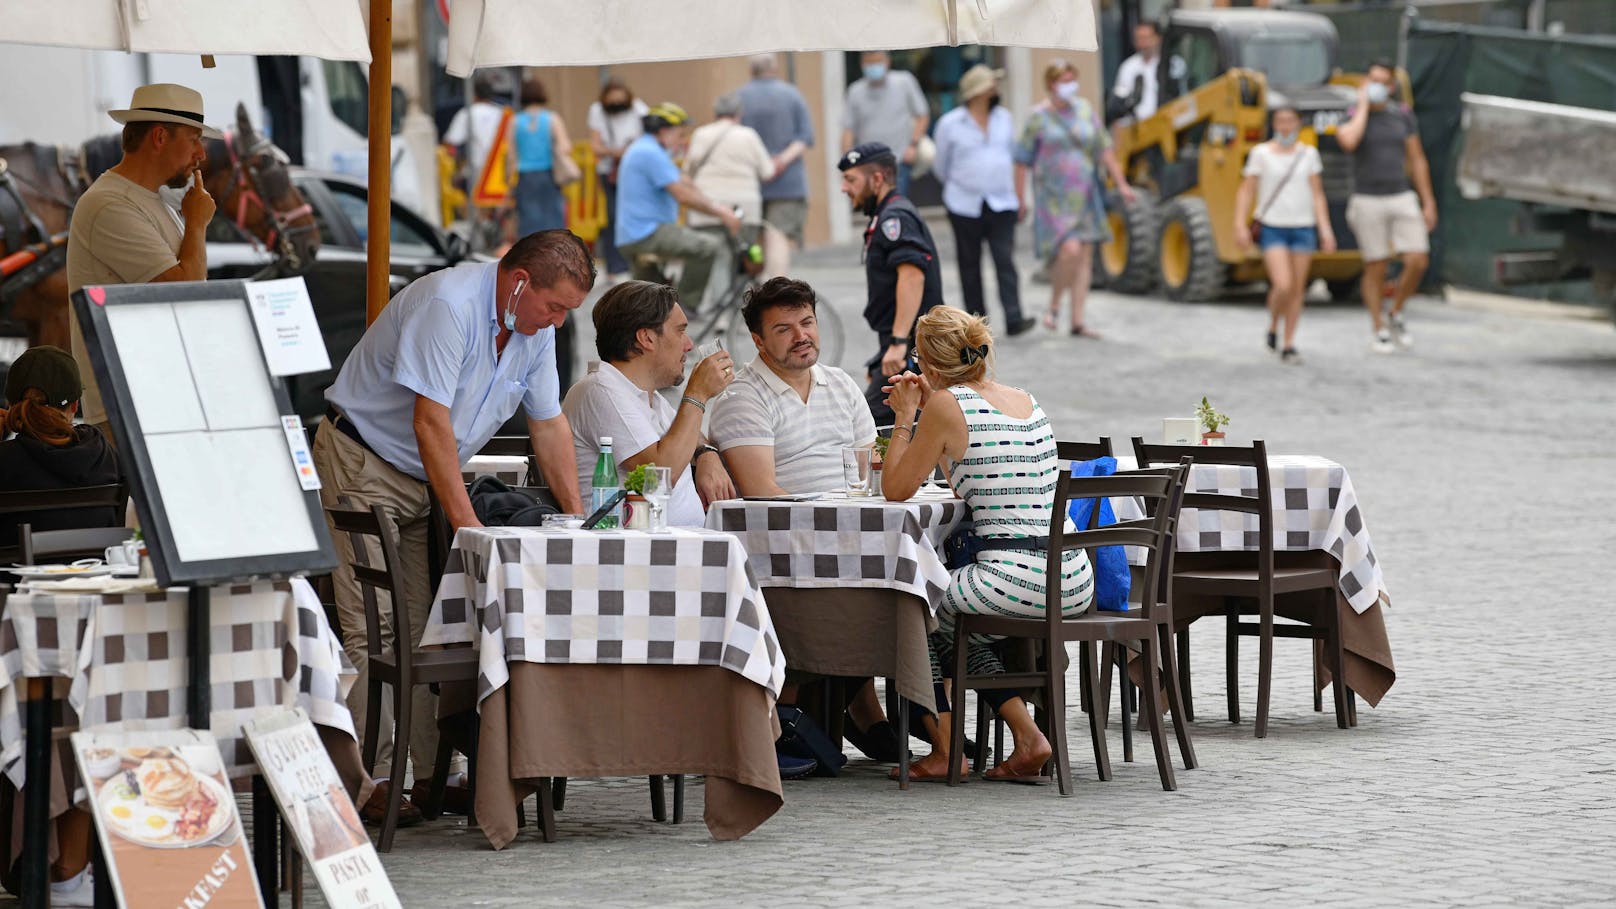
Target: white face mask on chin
1067,91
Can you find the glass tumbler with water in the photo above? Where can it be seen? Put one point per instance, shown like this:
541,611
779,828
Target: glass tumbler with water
658,490
856,469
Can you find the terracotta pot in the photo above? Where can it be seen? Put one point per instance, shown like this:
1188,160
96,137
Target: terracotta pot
1212,438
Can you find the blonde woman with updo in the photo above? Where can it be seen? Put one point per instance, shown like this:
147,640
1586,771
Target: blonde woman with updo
44,449
999,452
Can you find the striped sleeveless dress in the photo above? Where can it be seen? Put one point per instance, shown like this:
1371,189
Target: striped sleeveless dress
1007,479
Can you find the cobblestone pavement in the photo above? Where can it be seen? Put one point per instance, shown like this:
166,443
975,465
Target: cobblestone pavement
1483,460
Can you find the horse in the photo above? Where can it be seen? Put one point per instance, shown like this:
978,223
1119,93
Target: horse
245,172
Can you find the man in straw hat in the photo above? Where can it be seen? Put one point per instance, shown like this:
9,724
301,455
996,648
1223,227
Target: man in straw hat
974,146
122,231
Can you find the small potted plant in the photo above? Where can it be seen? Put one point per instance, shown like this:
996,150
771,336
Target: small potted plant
1212,422
636,510
876,460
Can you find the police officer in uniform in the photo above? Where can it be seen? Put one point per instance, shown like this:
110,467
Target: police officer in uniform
901,270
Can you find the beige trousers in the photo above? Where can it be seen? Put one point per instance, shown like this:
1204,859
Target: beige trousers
353,476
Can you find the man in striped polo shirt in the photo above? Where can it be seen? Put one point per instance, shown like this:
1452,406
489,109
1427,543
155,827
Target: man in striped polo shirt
783,424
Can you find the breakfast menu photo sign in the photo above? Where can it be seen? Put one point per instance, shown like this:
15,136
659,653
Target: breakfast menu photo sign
167,819
318,812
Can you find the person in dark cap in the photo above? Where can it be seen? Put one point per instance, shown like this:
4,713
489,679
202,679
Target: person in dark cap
49,452
901,272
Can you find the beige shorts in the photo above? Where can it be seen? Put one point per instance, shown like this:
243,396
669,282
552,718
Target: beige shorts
787,216
1388,224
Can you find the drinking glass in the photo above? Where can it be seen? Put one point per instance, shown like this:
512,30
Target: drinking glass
856,469
707,349
658,489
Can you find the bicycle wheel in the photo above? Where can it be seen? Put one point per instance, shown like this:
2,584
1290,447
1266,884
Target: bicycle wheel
738,339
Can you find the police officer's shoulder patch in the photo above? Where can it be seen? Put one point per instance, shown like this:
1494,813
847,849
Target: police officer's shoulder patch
891,229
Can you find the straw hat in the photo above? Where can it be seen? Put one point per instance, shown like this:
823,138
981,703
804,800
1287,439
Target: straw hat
166,103
978,79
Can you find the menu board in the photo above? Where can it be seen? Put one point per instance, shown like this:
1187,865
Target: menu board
167,820
199,421
318,812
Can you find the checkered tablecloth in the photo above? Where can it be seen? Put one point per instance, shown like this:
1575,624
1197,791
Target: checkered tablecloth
684,597
125,655
845,541
1315,508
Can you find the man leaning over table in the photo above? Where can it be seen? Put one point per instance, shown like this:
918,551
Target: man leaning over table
450,359
640,336
781,429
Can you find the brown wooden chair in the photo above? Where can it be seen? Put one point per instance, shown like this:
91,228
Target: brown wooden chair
1251,587
392,661
14,505
1143,625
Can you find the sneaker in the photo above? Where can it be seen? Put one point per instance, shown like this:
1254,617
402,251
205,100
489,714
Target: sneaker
1290,357
795,768
1273,341
1383,342
76,891
1400,331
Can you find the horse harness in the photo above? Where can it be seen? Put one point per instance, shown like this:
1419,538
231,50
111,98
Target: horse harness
245,177
28,253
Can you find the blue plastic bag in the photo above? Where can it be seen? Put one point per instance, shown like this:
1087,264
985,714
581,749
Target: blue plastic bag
1111,576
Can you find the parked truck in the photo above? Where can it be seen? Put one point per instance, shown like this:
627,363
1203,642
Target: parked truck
1556,159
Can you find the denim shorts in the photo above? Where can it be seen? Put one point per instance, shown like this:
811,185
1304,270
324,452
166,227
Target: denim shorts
1295,239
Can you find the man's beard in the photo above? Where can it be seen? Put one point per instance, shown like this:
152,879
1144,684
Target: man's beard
800,357
179,180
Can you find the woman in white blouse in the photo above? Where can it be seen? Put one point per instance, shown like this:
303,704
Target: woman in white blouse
1281,210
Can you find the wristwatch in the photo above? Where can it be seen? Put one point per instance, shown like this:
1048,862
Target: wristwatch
898,340
701,450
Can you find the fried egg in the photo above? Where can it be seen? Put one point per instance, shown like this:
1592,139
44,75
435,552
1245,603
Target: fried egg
121,814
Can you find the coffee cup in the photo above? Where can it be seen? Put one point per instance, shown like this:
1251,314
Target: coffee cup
117,556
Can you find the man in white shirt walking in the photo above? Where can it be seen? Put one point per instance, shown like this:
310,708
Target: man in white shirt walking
640,335
974,146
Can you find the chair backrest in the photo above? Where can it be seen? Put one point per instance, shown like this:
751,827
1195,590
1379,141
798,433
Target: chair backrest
1084,451
1161,489
1260,502
367,527
31,501
83,542
515,447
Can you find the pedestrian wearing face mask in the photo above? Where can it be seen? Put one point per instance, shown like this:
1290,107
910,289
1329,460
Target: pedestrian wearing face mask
1060,146
1281,210
975,142
1392,208
886,107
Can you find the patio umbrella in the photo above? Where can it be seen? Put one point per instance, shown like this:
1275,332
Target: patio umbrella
486,33
331,29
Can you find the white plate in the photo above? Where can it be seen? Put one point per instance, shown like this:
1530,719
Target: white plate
135,830
47,572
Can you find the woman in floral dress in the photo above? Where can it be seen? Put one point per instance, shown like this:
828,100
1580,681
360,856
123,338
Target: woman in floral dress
1060,146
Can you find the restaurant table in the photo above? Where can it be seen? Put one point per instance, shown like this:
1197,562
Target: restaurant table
853,582
1317,523
614,653
122,659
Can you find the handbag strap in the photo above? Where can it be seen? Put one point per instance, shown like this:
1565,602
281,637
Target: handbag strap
701,162
1296,158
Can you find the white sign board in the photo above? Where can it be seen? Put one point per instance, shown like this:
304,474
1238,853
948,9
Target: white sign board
327,829
287,329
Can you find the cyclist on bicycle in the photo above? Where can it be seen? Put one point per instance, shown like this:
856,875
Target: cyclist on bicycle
650,190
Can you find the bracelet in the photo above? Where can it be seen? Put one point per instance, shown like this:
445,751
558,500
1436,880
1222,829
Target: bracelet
910,429
693,403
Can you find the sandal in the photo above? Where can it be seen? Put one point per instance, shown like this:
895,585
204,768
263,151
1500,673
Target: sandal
918,774
1049,320
1023,769
1079,331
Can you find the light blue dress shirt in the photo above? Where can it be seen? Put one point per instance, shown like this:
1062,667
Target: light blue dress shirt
975,166
643,200
436,339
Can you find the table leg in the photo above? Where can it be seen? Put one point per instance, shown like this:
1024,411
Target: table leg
547,829
103,897
659,799
266,850
36,796
678,798
199,626
899,708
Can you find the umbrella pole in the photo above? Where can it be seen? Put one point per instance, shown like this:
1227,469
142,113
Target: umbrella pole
378,247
